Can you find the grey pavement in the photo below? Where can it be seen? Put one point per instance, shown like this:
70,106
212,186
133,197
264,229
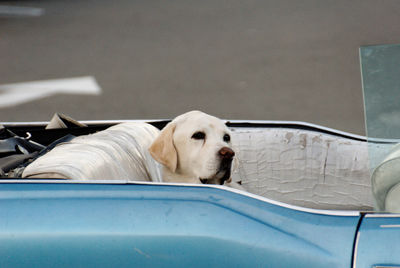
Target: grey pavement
267,60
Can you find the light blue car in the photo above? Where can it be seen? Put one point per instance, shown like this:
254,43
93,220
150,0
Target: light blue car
59,223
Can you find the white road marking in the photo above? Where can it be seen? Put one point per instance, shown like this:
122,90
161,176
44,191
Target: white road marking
15,94
21,11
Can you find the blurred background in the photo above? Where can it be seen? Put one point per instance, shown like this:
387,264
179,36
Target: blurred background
254,59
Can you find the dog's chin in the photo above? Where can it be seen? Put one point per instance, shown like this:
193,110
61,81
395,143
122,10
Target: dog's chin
223,174
218,178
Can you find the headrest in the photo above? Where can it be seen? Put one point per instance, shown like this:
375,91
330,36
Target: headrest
386,176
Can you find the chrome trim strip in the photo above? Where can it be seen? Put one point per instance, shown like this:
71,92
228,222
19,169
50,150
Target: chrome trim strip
43,123
255,122
356,250
382,215
390,226
300,123
259,122
237,191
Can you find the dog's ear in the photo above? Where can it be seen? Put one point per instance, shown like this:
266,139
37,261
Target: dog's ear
163,148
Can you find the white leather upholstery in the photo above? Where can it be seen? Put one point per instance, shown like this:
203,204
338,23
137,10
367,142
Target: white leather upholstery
305,168
385,182
294,166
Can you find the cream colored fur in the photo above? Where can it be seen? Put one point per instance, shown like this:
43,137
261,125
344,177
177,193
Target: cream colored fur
186,159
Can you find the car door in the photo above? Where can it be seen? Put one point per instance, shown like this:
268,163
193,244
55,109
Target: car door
377,242
66,224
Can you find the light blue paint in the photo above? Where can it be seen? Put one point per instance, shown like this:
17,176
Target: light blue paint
378,243
111,225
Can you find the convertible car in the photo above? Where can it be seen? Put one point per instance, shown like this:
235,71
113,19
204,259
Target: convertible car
307,203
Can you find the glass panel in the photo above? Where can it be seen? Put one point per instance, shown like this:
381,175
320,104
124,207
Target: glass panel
380,69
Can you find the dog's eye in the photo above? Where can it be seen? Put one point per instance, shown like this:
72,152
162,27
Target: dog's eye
199,135
227,138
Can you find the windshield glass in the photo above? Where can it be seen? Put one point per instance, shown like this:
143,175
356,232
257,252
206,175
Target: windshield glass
380,70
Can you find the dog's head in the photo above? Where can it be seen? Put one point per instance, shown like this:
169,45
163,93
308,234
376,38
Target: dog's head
196,145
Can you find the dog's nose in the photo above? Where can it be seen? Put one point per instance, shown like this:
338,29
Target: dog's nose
226,153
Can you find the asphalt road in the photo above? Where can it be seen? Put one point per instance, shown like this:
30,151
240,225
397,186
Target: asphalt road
253,59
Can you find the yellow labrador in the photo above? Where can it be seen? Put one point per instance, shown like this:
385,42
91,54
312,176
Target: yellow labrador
194,148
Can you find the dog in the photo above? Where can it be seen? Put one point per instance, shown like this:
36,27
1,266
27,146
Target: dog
194,148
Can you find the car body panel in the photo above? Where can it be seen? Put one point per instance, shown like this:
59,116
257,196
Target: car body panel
377,241
69,224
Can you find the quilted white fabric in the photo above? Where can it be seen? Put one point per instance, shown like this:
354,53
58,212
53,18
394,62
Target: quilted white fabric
117,152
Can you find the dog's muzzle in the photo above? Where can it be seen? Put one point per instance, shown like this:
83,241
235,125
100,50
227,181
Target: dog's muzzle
223,174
